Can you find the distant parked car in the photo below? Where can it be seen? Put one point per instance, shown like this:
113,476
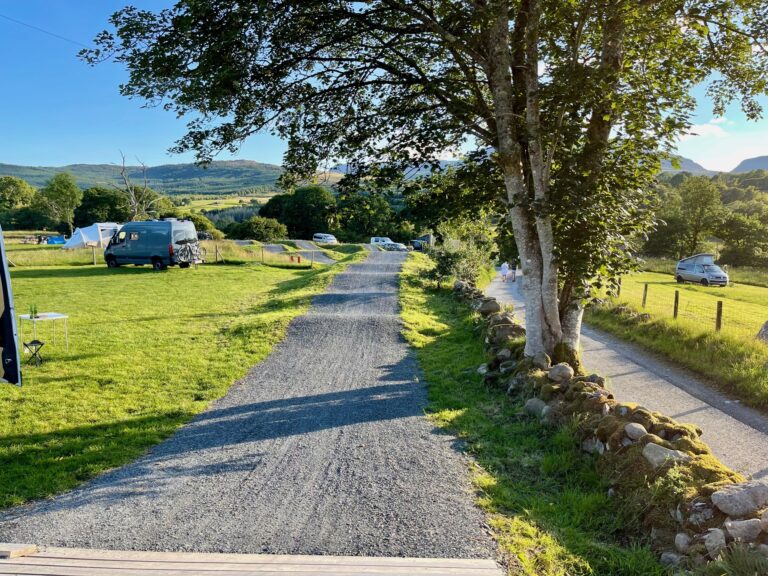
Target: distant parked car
701,269
381,240
156,242
395,247
325,238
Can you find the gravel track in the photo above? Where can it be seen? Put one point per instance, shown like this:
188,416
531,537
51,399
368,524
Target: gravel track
321,449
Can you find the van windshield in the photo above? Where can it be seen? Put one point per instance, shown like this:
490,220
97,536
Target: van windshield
713,268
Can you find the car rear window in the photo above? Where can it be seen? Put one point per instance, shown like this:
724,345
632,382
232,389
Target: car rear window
182,233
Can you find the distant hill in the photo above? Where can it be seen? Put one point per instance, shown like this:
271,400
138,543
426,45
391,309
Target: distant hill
220,177
751,164
686,165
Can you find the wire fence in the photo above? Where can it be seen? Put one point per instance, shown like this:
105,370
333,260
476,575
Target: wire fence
704,313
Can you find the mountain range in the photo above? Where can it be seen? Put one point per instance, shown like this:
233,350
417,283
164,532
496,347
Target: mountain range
220,177
232,176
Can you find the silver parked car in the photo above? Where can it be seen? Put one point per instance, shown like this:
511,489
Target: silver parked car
701,269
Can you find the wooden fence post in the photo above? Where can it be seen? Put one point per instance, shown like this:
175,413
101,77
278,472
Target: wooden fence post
719,317
677,303
216,251
93,253
618,288
645,294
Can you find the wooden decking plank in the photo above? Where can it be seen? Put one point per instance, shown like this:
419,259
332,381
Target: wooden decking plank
240,568
204,557
8,550
30,570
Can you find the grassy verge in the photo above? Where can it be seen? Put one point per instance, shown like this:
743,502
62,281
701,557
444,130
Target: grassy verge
545,502
732,358
147,352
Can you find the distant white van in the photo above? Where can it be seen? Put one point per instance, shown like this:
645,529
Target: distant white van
325,238
380,240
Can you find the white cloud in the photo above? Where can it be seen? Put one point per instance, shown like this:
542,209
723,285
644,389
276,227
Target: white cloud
704,130
719,120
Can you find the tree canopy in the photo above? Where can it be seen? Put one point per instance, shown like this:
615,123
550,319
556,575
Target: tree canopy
574,103
60,196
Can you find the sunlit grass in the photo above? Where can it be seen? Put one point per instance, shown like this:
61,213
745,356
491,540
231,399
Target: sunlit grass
546,504
148,350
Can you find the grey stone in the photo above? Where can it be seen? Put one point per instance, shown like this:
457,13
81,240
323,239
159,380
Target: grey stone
658,455
670,559
682,542
507,367
459,285
482,369
611,492
635,431
714,542
501,334
626,442
622,410
514,385
764,521
489,306
739,500
504,354
606,409
588,445
560,373
763,334
542,361
744,530
534,406
763,549
701,516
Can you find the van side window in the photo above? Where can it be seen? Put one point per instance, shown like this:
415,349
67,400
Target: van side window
134,236
699,268
120,237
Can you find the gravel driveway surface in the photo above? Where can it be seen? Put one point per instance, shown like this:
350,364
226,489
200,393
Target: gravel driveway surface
737,434
321,449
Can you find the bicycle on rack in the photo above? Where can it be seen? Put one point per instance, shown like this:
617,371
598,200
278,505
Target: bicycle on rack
190,252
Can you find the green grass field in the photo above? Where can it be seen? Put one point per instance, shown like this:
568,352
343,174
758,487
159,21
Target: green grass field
546,504
200,203
733,359
148,350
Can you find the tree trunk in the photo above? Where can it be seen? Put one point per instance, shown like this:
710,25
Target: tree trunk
532,235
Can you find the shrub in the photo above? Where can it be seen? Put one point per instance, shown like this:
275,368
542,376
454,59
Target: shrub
259,228
460,260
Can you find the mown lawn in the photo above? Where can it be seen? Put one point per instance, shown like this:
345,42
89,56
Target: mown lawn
546,505
732,359
148,350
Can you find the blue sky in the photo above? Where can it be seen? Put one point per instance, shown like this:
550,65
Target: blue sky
55,110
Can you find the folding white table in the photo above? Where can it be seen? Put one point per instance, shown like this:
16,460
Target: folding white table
45,317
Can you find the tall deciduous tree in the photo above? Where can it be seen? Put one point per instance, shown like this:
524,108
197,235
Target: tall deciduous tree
574,102
15,193
60,196
700,208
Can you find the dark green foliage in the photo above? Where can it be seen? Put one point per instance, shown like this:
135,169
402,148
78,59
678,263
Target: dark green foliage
361,216
307,211
259,228
102,205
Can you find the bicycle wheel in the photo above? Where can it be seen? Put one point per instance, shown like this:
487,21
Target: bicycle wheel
202,253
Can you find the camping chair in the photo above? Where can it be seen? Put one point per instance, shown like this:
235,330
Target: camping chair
34,348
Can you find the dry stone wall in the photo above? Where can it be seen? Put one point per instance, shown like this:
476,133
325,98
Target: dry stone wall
690,505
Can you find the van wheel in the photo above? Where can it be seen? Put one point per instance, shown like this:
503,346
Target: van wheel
157,264
704,282
183,264
112,262
680,280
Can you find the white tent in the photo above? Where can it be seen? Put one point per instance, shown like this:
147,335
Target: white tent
97,234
